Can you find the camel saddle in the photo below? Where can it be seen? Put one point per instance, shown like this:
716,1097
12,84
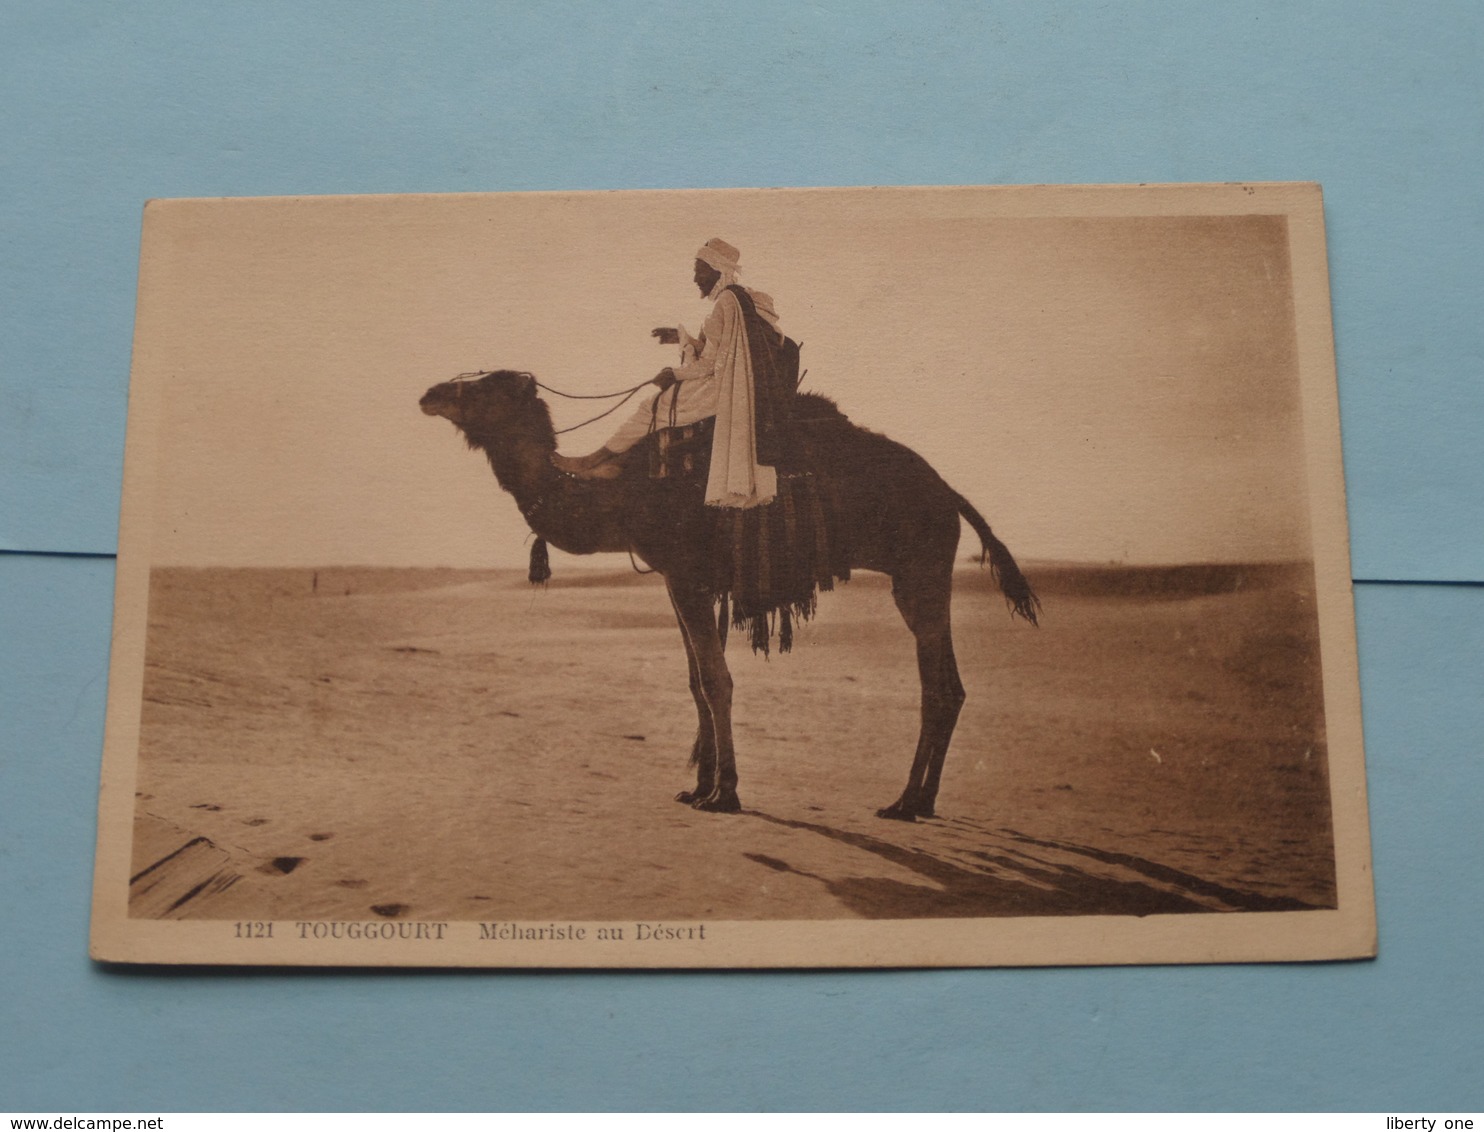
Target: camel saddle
768,563
683,452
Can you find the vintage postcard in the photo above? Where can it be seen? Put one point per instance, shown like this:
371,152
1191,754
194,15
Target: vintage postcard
785,578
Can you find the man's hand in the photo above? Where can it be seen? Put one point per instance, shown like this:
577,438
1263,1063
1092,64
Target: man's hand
665,378
667,335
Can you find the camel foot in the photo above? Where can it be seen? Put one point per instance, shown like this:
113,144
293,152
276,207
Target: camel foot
719,801
690,797
897,812
907,809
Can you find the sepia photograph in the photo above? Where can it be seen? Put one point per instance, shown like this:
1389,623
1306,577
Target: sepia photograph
735,578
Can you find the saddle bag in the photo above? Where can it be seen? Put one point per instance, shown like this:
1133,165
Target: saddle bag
683,452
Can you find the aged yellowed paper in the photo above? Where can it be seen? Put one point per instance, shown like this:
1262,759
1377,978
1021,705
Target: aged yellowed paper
1039,644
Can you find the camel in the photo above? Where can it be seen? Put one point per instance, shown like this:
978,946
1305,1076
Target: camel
903,521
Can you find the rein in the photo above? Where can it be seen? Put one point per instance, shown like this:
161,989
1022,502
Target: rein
626,394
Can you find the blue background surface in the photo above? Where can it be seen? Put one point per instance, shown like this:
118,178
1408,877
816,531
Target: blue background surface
105,106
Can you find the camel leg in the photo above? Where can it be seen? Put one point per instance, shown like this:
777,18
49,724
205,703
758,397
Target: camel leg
698,622
924,605
703,750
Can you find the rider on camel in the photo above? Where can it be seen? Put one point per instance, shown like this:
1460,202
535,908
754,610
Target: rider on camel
736,371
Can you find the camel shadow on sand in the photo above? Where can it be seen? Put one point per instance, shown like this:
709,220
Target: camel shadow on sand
976,870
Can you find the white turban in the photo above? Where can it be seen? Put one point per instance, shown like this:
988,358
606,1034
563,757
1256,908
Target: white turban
721,257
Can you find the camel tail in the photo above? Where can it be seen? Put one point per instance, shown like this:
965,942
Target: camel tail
1019,596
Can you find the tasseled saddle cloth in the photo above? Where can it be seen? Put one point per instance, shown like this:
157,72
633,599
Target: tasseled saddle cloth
768,563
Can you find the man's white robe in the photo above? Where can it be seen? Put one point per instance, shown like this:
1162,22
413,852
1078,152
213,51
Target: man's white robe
715,379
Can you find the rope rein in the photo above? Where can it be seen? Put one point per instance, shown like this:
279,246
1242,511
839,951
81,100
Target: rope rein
590,420
626,394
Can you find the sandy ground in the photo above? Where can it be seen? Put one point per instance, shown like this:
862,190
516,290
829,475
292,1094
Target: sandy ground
456,745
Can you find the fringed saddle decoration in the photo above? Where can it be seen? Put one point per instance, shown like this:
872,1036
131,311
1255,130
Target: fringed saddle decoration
769,563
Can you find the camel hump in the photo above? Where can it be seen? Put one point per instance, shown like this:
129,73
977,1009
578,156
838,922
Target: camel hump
816,409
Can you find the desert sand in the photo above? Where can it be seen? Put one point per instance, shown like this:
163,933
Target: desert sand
457,745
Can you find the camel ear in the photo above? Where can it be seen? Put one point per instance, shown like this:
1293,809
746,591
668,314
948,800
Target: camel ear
527,386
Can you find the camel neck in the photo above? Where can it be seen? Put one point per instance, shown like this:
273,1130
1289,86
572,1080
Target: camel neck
523,467
571,514
521,461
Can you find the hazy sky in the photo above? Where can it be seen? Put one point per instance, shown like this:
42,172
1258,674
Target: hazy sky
1102,387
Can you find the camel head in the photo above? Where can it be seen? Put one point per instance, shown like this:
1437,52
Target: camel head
492,404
